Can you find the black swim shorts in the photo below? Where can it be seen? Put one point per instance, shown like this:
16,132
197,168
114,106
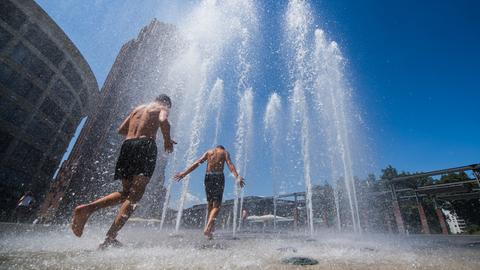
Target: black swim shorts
137,157
214,185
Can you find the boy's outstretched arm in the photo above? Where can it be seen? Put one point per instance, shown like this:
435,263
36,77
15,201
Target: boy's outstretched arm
232,168
165,129
195,165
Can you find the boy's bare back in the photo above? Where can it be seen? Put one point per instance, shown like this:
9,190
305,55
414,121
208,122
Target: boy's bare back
144,121
216,159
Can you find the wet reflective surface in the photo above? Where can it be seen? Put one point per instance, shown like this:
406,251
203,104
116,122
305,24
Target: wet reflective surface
55,247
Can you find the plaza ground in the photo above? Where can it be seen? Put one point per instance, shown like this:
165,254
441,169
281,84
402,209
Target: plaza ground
147,247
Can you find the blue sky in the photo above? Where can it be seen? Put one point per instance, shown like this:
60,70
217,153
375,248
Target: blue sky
416,63
414,66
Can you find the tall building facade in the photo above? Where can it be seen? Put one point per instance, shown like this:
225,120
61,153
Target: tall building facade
46,88
136,77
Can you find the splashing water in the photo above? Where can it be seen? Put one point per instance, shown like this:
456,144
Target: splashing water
215,104
271,123
297,26
330,84
316,69
317,99
210,50
149,249
210,79
242,145
209,34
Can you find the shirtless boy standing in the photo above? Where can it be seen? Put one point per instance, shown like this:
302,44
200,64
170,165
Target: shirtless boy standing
214,181
135,165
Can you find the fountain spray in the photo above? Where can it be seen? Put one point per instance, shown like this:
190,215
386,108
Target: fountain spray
271,122
297,26
242,141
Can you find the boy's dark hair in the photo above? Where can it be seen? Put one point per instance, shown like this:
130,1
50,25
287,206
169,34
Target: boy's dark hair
220,146
164,99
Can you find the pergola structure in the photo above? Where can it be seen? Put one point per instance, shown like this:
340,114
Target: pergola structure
299,199
462,190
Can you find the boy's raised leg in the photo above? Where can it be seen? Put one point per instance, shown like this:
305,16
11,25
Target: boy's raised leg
135,193
83,212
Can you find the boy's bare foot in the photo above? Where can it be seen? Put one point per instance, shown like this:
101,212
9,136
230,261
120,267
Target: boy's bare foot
110,243
80,217
208,234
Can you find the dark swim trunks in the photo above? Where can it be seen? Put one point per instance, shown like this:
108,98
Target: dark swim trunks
214,185
137,157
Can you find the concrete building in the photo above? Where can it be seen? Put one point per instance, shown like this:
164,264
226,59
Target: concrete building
137,76
46,88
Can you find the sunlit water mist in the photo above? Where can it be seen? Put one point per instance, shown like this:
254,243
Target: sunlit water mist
242,145
297,26
271,123
211,80
146,248
332,95
213,32
244,123
316,69
215,104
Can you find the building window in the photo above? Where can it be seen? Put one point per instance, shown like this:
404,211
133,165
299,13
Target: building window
40,131
72,76
52,110
25,158
32,160
49,166
13,178
76,112
11,14
19,84
5,139
4,37
58,148
84,97
68,129
61,90
45,45
26,89
23,56
6,74
12,112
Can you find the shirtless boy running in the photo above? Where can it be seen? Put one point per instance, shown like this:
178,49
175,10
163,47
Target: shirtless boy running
135,165
214,181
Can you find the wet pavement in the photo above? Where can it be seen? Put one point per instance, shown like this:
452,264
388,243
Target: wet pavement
55,247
